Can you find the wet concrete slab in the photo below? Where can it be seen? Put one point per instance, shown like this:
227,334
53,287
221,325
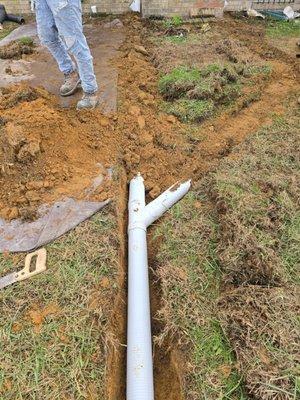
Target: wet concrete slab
41,69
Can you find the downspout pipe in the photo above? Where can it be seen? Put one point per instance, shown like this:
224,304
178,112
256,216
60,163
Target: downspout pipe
9,17
140,384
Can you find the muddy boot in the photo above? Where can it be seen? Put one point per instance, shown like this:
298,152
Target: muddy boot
71,84
89,100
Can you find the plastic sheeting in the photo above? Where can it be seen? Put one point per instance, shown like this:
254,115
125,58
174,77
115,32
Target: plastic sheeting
54,221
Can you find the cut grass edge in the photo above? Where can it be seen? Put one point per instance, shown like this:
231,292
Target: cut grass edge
193,273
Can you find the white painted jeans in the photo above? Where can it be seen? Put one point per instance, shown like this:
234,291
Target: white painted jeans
59,24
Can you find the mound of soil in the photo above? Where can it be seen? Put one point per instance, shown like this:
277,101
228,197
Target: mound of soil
16,49
47,153
201,48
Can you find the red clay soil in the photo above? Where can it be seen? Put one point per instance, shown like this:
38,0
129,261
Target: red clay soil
157,144
48,152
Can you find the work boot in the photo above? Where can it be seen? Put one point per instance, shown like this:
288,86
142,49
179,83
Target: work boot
72,82
89,100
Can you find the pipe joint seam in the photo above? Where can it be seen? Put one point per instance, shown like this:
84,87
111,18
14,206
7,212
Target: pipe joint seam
137,225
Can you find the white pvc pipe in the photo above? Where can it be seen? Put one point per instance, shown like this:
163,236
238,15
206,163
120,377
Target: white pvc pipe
139,344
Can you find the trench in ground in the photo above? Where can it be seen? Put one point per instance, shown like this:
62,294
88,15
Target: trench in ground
168,360
168,367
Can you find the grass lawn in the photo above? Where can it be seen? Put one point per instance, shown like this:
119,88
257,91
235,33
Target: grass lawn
193,94
228,265
53,326
279,29
7,28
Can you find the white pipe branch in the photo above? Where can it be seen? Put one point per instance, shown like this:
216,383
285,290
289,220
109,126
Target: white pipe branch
139,344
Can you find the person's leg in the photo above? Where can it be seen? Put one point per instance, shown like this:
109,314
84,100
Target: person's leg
48,35
68,19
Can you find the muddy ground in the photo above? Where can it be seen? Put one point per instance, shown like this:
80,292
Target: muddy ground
49,152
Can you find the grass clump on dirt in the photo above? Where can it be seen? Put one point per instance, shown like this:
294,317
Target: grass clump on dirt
26,41
176,39
279,29
17,48
178,82
207,82
228,265
193,94
190,110
251,70
53,326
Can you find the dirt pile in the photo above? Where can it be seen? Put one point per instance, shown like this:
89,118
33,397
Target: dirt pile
199,47
48,153
17,48
158,145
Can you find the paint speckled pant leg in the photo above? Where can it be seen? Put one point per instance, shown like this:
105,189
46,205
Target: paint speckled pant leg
67,15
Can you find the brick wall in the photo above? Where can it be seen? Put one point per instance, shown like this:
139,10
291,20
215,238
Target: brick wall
16,6
194,7
150,7
180,7
240,5
105,6
161,7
